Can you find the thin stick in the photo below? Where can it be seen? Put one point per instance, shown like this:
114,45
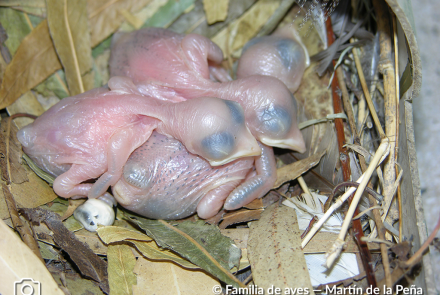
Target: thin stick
416,257
386,67
346,101
380,231
367,93
338,203
378,241
304,186
346,171
336,250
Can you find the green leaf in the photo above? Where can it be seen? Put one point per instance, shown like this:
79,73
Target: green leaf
54,85
36,7
168,13
151,251
145,244
101,47
16,27
121,262
200,243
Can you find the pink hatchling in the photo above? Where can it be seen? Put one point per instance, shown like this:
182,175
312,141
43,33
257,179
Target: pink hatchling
280,55
91,135
175,67
162,180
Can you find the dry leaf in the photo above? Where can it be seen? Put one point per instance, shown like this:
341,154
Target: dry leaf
215,10
242,215
169,278
18,262
143,14
48,251
33,193
274,250
240,236
255,204
111,234
74,282
152,251
168,13
87,262
105,17
17,174
16,27
27,103
200,243
73,204
69,29
35,7
319,244
33,62
145,244
239,32
294,170
121,262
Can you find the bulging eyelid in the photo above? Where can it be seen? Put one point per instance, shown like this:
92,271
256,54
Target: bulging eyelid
276,120
219,145
236,111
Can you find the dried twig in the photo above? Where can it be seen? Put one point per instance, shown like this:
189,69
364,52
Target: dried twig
386,67
336,250
367,93
346,101
346,173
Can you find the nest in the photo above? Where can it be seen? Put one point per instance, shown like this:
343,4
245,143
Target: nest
336,209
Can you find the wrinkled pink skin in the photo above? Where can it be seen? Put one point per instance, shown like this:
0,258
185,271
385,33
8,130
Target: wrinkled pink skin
258,183
280,55
162,180
92,135
170,66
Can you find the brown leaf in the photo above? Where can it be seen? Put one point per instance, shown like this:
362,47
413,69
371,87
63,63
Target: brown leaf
69,29
319,244
17,173
255,204
33,193
242,215
240,236
18,262
264,202
87,262
21,226
73,204
33,62
274,250
294,170
106,18
169,278
28,104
